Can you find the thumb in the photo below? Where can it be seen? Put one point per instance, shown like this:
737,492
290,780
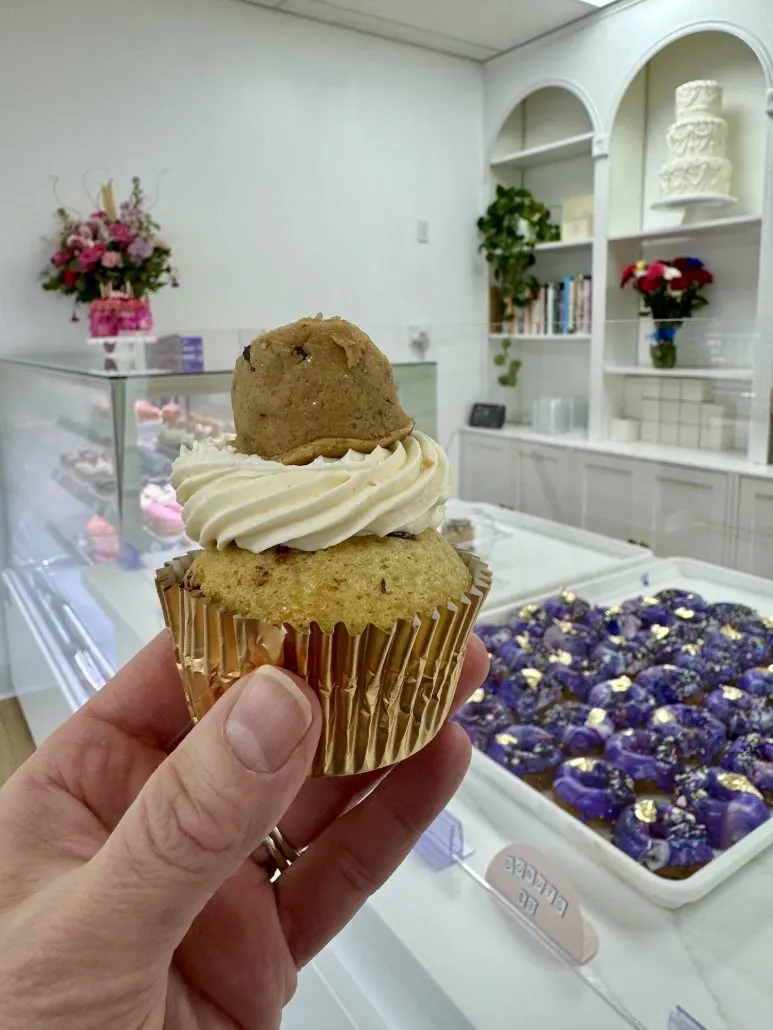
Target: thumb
208,806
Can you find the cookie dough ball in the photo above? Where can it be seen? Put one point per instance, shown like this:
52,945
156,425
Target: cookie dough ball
317,387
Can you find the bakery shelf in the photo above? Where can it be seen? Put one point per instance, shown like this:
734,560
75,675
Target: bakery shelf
559,245
561,150
104,506
738,223
69,544
740,374
550,337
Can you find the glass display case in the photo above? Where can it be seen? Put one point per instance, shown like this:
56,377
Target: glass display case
88,442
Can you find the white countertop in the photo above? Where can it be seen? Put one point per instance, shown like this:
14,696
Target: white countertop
722,461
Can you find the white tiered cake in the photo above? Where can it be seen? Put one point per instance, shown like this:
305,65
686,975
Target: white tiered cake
698,143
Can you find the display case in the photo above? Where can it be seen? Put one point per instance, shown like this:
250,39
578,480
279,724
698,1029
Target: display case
88,442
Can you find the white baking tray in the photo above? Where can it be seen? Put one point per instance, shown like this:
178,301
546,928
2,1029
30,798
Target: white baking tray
715,583
529,555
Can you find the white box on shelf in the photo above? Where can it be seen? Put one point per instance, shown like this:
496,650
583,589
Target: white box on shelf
690,413
650,410
669,433
671,389
650,432
710,412
650,387
669,412
577,230
689,436
693,390
624,430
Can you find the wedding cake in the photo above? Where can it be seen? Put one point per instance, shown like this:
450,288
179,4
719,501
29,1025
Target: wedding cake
698,144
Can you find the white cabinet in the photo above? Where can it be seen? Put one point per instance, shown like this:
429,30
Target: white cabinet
754,535
542,480
486,469
689,512
612,496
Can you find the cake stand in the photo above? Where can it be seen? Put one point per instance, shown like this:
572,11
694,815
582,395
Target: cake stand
695,199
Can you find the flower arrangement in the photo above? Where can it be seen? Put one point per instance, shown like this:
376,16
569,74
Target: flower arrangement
671,291
112,252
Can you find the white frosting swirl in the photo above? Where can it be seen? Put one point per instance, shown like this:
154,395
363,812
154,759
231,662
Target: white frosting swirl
229,497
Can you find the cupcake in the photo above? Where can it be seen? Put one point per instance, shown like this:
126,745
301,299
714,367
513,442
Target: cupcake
318,522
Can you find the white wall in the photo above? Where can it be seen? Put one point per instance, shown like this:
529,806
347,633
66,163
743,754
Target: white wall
300,159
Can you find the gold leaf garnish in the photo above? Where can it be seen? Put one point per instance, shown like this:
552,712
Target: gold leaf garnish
505,739
523,642
596,717
584,764
738,783
662,716
532,677
732,693
659,632
619,641
610,613
684,613
692,649
528,611
563,657
477,696
731,633
621,684
568,596
647,602
646,811
565,626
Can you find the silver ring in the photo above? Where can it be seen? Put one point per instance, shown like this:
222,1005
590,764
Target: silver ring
280,853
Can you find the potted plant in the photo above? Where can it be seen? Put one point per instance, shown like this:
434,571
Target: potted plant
113,261
670,291
513,224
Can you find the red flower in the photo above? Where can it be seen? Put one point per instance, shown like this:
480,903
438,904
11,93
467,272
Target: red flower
650,283
681,283
627,275
69,277
702,276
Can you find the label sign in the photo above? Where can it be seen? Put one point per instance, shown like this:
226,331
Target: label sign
542,892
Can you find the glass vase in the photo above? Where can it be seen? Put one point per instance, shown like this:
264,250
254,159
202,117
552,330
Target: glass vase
663,344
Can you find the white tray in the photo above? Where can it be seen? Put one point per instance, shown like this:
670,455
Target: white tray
529,555
715,583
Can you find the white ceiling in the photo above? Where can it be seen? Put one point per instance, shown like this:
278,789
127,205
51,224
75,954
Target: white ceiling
479,29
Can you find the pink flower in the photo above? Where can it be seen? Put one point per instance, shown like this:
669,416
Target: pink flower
99,216
112,259
122,234
159,243
91,256
62,257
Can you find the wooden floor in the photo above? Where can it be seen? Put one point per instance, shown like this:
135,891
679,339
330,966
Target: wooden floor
16,744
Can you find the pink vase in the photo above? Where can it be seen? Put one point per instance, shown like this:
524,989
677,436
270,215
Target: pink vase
119,316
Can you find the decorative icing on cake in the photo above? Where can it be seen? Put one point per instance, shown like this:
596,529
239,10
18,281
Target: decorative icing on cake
698,144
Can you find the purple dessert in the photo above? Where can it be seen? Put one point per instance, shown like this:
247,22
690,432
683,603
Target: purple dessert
752,757
565,636
529,752
578,677
758,682
727,804
671,684
661,643
566,607
652,758
711,668
742,713
528,692
482,716
674,599
629,705
664,838
493,636
581,729
728,614
622,655
514,655
593,790
702,735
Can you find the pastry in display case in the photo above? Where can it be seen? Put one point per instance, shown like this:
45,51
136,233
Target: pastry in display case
87,446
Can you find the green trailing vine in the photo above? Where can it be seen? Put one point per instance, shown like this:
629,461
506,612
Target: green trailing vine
513,224
510,376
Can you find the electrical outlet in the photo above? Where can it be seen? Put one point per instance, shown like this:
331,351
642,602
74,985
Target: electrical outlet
422,232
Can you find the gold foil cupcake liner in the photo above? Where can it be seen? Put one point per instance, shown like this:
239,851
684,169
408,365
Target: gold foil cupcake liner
384,695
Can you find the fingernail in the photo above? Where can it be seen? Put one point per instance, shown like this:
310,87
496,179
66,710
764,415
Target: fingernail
268,721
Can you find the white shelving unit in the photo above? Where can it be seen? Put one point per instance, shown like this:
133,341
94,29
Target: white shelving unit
554,145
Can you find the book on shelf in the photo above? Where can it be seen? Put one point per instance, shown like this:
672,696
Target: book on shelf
560,309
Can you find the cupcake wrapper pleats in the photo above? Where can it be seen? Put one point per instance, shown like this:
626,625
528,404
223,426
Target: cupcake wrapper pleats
384,695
